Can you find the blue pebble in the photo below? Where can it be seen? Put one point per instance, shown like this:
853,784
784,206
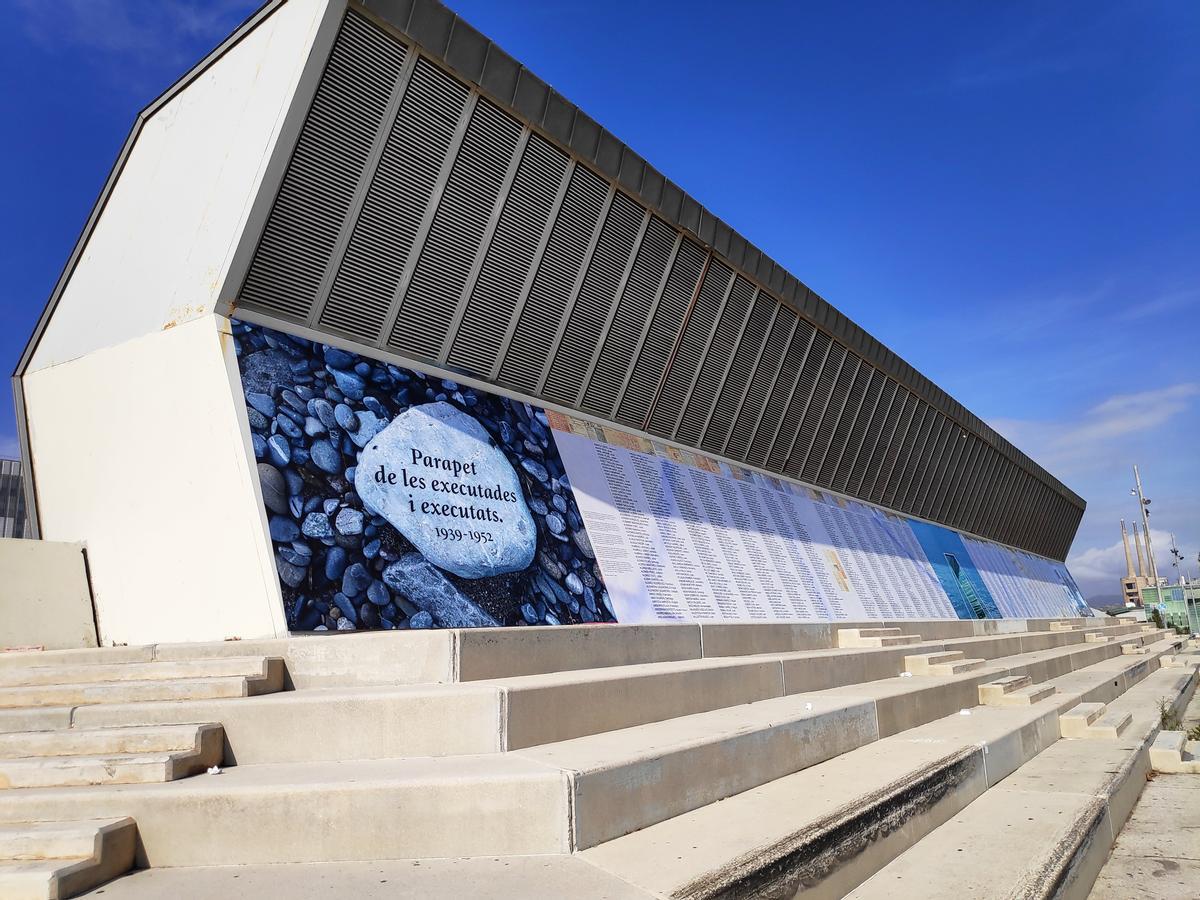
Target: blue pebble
349,473
574,585
363,369
371,530
323,410
555,523
326,457
304,393
287,426
347,607
295,482
378,593
260,445
294,558
289,574
296,506
300,456
349,521
281,452
349,383
371,549
338,359
335,563
421,620
345,417
262,402
355,580
283,530
560,503
536,469
529,613
316,525
290,398
313,427
375,406
257,420
552,619
538,506
302,548
330,505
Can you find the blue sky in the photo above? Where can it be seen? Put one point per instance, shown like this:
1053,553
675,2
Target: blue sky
1006,194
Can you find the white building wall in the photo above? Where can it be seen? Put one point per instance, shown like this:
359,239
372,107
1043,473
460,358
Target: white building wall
142,452
162,246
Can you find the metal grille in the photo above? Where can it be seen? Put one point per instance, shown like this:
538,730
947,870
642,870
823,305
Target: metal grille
553,286
717,357
416,214
761,382
590,309
360,300
322,176
741,368
692,345
666,319
625,331
457,231
510,256
13,523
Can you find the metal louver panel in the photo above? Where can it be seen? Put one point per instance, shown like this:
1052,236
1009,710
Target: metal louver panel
646,370
916,435
858,430
591,308
906,435
838,400
717,357
318,187
872,477
780,396
860,469
845,422
817,407
361,296
689,352
629,319
741,368
551,289
761,383
441,273
802,393
510,256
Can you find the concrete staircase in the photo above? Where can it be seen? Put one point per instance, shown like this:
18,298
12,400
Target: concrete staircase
42,746
62,859
689,761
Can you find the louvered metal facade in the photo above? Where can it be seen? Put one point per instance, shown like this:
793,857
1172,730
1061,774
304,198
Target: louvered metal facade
12,500
442,204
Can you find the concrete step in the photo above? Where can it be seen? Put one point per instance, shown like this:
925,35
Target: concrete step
270,680
1026,696
104,741
72,770
62,859
1001,687
1047,828
957,667
824,830
1093,720
875,637
919,663
1170,755
133,671
1095,637
1068,625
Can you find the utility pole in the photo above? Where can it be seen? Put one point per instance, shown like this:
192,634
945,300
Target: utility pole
1144,504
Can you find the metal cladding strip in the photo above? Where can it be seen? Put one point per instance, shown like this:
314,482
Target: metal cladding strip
485,245
531,275
775,366
650,314
740,404
360,192
802,334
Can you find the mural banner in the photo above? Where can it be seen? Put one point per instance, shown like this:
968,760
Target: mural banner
398,499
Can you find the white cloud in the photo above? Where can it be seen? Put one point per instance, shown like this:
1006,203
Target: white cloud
136,30
1079,444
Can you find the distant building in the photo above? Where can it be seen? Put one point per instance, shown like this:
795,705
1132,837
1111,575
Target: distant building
1133,583
12,500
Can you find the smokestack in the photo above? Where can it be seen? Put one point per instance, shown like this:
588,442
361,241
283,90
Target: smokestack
1128,553
1137,542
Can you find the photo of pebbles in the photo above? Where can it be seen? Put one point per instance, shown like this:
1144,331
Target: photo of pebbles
402,500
